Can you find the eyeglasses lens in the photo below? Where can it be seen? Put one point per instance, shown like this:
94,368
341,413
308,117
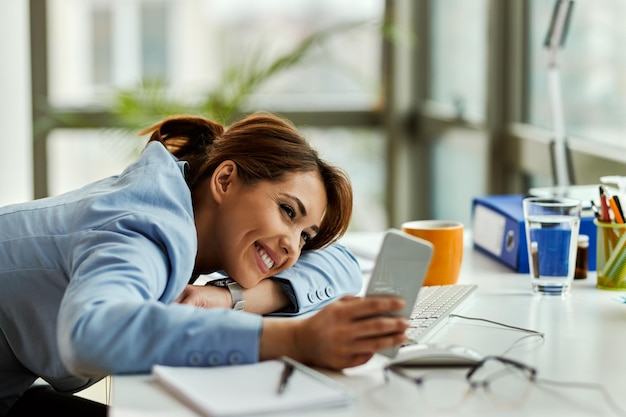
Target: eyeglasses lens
506,384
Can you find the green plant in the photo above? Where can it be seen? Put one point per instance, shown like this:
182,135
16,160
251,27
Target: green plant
141,106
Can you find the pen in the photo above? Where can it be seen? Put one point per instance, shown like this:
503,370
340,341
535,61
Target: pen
619,207
617,215
604,206
284,377
596,211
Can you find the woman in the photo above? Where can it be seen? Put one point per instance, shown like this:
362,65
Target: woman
89,279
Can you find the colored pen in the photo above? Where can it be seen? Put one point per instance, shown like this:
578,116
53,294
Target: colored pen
596,211
284,377
604,206
617,214
619,207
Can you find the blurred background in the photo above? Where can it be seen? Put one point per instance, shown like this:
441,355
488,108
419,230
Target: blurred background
426,104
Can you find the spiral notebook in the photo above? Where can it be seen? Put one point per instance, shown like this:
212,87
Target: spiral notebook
252,389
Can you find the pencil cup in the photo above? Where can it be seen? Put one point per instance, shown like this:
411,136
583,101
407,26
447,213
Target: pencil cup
611,256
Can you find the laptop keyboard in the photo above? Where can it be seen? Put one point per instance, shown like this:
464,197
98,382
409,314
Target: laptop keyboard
433,305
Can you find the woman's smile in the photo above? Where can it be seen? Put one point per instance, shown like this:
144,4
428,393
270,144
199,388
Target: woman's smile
266,261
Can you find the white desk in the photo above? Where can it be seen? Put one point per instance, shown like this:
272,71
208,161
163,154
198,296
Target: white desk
585,341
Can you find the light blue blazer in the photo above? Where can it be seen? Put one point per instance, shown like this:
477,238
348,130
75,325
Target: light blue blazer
87,281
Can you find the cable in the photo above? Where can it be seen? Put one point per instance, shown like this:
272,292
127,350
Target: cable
521,329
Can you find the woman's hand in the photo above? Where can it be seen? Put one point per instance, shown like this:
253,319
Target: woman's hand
205,296
266,297
344,334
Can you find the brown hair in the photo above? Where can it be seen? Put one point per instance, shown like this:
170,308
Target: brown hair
264,147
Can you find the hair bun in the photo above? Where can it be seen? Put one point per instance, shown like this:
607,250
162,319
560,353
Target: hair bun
184,135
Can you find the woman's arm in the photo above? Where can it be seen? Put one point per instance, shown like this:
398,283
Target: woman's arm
342,335
116,317
318,278
117,314
267,296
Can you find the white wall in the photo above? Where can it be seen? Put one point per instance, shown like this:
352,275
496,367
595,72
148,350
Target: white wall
15,112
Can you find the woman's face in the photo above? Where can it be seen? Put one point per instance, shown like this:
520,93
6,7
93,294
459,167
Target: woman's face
255,232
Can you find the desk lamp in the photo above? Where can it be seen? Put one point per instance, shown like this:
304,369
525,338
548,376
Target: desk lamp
555,39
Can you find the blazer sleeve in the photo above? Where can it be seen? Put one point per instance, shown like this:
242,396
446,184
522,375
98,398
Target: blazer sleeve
117,317
319,278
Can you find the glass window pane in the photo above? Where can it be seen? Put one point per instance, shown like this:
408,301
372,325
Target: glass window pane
154,44
458,47
101,41
79,156
361,153
218,45
592,67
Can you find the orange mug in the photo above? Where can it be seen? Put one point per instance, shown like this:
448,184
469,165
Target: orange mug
447,239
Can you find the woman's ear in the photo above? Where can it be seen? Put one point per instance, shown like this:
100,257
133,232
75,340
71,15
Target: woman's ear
222,180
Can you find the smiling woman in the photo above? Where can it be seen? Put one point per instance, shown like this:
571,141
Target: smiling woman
262,147
260,194
111,263
259,166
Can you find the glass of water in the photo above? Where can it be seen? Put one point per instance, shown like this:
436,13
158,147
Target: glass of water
552,225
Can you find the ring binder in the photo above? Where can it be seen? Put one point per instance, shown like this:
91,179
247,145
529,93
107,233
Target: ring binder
498,230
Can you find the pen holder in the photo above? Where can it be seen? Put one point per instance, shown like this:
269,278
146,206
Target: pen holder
611,256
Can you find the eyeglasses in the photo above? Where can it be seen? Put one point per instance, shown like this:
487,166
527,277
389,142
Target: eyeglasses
506,382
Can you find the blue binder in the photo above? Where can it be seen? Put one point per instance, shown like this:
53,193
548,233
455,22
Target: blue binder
498,230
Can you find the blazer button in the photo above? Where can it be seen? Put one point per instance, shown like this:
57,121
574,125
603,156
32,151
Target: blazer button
320,294
194,359
214,358
329,292
235,357
311,297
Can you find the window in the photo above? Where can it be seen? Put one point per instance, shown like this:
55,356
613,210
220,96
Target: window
101,41
131,42
458,67
457,88
592,66
198,48
470,113
154,41
361,152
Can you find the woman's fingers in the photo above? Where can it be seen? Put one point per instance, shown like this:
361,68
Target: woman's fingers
380,326
373,334
359,308
348,332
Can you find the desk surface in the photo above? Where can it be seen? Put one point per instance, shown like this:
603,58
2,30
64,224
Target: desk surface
584,341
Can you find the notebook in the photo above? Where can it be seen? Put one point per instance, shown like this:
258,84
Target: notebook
252,389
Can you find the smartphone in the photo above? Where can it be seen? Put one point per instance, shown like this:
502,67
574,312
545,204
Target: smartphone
399,270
